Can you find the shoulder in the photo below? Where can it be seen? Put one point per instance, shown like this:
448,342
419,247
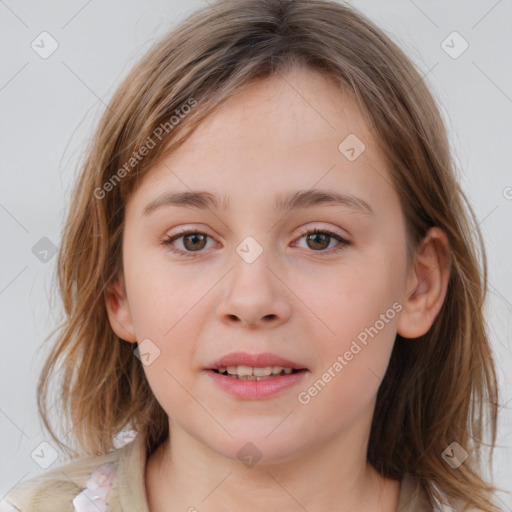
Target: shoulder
82,485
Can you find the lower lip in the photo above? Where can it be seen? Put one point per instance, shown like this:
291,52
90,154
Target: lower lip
256,389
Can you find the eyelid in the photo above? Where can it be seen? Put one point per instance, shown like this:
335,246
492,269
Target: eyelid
304,230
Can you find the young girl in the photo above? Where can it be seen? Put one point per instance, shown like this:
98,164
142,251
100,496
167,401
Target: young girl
269,277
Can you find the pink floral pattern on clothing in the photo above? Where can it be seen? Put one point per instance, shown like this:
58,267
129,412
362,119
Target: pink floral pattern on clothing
93,497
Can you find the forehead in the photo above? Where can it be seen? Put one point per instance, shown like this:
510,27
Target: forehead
281,116
287,132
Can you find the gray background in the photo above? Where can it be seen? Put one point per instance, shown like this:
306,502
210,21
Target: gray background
49,108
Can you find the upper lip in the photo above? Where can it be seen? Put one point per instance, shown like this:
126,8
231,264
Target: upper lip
254,360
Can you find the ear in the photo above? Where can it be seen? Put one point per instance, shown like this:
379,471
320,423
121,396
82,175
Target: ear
118,310
426,286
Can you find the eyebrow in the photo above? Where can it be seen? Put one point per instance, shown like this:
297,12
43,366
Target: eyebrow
294,200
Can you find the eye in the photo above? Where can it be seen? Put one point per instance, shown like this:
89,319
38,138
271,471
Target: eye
319,239
193,241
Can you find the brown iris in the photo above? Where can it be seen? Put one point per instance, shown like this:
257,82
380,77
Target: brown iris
194,238
315,238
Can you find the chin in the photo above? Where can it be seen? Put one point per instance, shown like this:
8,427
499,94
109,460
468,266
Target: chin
254,448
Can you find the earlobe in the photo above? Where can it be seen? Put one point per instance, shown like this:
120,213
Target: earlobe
118,310
427,285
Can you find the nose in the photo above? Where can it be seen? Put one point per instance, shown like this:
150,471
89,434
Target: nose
255,295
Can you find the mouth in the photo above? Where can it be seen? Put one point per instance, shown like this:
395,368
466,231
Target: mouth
242,372
250,366
260,377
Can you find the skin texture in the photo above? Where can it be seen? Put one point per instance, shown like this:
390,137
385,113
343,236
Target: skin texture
280,136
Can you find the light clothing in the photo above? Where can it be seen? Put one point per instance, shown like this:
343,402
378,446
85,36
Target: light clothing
115,483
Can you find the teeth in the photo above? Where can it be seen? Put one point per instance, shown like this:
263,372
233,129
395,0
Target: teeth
254,373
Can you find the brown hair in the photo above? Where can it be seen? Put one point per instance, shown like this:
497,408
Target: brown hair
438,389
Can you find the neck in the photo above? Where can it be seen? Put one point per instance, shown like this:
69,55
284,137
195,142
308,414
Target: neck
331,476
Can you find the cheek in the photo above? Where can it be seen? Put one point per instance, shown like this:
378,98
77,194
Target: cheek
359,312
351,365
163,295
344,301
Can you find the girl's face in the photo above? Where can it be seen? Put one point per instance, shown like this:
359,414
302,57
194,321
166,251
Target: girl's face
251,280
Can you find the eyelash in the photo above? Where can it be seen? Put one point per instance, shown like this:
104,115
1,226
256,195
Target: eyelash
190,254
